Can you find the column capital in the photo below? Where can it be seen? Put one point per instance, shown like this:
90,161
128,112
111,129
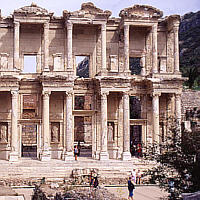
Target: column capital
176,28
154,27
16,24
177,95
69,93
126,94
104,94
14,93
155,95
46,94
69,25
103,26
46,25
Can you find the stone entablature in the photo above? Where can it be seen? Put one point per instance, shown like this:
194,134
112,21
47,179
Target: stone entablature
133,58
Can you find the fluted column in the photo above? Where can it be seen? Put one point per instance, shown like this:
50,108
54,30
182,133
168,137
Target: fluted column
103,49
69,45
155,117
126,48
46,46
154,49
45,155
126,155
176,49
16,45
14,154
104,153
69,127
178,111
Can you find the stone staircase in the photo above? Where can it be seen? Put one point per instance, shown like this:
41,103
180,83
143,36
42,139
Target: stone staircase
58,169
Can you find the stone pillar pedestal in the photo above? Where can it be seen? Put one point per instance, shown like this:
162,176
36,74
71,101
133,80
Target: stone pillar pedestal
104,153
155,119
176,48
126,49
126,155
69,153
112,150
178,112
46,154
16,45
69,46
154,50
14,154
103,49
46,47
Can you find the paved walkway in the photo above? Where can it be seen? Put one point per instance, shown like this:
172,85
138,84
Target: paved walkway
140,193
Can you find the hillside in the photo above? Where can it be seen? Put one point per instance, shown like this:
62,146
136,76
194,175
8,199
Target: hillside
189,37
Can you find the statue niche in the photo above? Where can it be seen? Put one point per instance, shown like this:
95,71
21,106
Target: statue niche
110,132
3,133
55,132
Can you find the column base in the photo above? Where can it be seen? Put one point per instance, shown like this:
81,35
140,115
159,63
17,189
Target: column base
14,157
68,156
45,156
104,156
126,156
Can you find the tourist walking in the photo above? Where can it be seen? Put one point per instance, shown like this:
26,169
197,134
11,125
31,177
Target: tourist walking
133,176
76,152
138,177
131,187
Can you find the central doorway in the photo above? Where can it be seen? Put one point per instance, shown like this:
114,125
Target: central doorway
29,140
135,139
83,135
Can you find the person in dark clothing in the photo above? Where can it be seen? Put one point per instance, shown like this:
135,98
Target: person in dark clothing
96,182
131,187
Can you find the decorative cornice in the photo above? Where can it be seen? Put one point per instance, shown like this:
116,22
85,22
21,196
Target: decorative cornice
141,11
33,9
87,11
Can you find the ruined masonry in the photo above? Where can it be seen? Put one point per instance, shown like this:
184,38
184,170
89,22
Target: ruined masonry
87,79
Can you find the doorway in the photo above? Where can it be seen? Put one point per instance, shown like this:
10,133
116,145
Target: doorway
135,139
83,135
29,140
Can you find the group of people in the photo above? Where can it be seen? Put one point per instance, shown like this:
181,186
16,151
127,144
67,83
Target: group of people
136,149
135,178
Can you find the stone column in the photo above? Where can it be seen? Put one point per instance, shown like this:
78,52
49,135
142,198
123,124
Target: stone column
178,111
154,49
16,45
103,48
46,46
45,155
126,48
69,46
14,154
176,49
104,153
155,117
69,154
126,155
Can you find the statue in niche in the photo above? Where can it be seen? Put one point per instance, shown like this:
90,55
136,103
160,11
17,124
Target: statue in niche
3,134
54,134
110,132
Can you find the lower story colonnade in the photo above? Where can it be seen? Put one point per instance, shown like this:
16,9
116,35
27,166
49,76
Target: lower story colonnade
104,125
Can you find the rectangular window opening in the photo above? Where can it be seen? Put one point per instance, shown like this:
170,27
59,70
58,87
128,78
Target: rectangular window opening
82,66
135,67
30,64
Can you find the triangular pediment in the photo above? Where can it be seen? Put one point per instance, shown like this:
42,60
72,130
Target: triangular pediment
33,9
141,11
88,10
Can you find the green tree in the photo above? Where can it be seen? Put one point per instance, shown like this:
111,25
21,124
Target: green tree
179,163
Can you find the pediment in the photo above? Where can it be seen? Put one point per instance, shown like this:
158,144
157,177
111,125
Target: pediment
141,11
33,9
88,10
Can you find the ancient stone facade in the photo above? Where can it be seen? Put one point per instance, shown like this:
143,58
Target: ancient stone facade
47,108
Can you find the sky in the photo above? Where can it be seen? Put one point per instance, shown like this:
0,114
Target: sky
168,7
